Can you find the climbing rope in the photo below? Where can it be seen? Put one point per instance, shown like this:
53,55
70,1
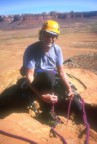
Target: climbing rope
68,112
17,137
85,122
55,132
59,121
84,119
52,130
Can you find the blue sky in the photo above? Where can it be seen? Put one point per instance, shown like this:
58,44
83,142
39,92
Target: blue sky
38,6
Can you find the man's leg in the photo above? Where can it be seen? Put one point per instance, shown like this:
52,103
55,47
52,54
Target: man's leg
43,82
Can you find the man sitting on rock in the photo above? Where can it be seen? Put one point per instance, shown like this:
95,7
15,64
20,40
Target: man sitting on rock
43,64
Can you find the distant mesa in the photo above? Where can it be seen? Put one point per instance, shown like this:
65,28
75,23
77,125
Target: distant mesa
24,20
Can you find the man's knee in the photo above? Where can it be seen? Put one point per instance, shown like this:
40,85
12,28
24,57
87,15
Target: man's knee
44,80
22,71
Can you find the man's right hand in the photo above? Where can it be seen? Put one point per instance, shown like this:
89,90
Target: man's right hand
48,98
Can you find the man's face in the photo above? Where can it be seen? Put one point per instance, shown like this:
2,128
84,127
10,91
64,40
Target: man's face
48,39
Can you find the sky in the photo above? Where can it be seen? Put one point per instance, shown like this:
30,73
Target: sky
11,7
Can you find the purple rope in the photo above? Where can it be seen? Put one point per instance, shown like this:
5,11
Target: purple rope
17,137
68,112
85,122
55,132
53,112
84,119
53,128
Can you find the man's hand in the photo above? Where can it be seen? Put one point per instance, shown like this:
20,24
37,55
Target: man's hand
70,94
48,98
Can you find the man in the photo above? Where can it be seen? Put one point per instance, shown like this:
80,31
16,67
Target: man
43,65
42,60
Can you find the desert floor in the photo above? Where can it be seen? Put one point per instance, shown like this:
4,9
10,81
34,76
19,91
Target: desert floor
12,46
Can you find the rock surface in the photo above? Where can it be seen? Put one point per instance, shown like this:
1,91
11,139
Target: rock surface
25,126
20,123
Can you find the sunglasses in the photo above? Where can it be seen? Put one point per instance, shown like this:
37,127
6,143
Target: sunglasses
49,35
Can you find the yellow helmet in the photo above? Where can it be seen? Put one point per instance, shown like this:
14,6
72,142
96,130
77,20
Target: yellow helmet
51,26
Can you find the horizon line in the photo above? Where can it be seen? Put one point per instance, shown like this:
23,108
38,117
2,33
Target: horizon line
47,12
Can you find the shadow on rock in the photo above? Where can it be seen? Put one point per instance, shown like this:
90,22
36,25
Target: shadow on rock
14,99
91,116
